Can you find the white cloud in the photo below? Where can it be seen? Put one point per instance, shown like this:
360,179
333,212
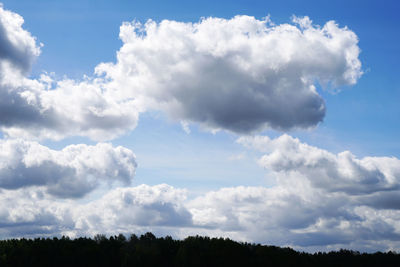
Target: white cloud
17,46
71,172
27,212
185,127
321,200
239,74
335,173
31,212
143,206
30,110
43,108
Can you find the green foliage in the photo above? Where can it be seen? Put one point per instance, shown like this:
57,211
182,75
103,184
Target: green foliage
148,250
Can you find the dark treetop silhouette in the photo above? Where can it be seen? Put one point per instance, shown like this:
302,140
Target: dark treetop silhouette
148,250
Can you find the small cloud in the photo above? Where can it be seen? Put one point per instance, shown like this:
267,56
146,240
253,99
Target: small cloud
236,157
185,127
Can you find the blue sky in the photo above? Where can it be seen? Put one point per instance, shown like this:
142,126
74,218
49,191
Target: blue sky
216,164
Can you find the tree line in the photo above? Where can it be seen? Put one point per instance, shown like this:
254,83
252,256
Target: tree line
148,250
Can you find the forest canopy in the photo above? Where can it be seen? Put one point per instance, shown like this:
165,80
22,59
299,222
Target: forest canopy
148,250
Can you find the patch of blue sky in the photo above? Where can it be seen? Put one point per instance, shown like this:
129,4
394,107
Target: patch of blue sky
198,161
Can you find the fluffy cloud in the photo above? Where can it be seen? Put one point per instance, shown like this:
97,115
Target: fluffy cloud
239,74
303,218
124,209
71,172
334,173
40,109
17,46
27,212
43,108
320,199
158,208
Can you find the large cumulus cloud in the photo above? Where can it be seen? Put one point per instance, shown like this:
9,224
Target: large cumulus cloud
239,74
71,172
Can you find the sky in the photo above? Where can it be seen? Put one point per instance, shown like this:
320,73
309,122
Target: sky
274,122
